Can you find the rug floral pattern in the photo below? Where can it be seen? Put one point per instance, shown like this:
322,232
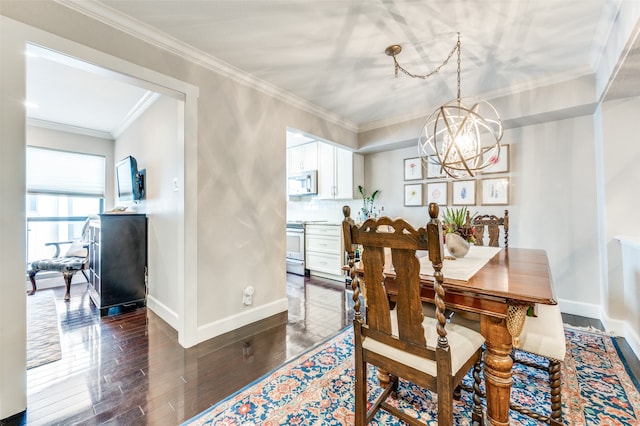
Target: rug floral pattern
317,389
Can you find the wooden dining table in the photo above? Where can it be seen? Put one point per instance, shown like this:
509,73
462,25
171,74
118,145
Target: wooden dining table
501,291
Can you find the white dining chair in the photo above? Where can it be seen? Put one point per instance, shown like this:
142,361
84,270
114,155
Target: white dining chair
543,335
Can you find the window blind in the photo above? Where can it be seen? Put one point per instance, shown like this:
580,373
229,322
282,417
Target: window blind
64,173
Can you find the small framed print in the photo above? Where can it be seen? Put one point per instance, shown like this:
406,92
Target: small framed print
463,192
412,168
501,164
413,194
495,191
437,193
434,170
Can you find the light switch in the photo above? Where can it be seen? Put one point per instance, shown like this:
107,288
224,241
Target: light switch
175,185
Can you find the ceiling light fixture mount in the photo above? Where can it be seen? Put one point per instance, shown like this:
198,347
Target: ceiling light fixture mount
462,136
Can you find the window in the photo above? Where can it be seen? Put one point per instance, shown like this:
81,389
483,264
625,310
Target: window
63,188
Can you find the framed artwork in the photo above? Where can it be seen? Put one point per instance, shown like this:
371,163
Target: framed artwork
412,168
433,168
501,165
437,193
463,192
495,191
413,194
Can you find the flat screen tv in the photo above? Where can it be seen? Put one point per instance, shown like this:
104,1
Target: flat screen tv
129,180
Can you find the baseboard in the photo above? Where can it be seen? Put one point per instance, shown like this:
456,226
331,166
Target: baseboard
632,339
251,315
623,329
614,326
163,311
333,277
581,309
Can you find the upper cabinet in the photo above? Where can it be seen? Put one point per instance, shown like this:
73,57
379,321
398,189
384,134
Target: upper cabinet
302,158
339,172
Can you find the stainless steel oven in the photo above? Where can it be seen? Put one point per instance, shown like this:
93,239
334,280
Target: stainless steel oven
295,248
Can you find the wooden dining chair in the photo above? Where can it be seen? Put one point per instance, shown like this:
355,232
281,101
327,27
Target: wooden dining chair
491,224
401,342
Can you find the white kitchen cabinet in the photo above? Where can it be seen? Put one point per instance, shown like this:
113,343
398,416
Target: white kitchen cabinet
340,171
302,158
324,251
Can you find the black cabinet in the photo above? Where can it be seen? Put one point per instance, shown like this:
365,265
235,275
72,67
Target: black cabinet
118,261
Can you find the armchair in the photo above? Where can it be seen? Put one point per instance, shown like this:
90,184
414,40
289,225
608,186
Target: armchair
75,259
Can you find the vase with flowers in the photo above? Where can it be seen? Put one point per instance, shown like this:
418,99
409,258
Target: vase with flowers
367,201
459,234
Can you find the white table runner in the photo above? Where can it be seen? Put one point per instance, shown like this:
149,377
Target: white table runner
462,268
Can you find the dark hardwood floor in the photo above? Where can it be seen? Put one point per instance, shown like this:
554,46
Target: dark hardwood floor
128,368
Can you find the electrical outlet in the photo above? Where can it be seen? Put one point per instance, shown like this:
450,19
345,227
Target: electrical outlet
247,295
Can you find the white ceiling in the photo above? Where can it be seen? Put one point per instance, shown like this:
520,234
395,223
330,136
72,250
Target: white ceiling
329,54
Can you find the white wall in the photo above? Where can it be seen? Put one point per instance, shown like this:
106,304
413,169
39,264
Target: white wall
555,206
621,152
155,141
552,201
13,327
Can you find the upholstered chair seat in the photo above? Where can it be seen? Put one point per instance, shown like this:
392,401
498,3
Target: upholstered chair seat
462,341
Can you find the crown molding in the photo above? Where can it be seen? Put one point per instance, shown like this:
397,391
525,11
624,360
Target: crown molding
153,36
515,89
143,104
69,128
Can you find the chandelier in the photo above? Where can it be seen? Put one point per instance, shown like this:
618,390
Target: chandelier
462,136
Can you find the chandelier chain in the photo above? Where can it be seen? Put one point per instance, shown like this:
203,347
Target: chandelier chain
458,48
455,49
464,139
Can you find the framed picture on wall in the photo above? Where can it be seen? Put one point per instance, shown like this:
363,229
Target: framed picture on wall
413,194
463,192
434,170
495,191
412,168
437,193
501,164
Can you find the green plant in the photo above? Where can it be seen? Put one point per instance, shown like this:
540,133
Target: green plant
367,200
456,217
455,221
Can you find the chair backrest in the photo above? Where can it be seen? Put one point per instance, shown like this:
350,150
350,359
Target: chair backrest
491,224
79,248
387,241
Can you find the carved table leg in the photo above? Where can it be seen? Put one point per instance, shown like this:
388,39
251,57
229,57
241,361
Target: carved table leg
497,369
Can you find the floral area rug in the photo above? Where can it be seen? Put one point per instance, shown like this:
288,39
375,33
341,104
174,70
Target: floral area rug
43,338
317,389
